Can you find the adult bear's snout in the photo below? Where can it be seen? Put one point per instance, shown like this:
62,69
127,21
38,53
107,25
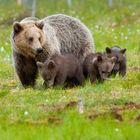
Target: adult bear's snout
39,50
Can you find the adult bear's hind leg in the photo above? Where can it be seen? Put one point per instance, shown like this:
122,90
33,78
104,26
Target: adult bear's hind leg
26,69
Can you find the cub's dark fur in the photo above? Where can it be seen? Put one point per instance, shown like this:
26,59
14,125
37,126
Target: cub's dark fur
59,68
97,66
120,65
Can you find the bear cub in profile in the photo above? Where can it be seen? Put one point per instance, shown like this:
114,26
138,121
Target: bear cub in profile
120,65
59,68
97,67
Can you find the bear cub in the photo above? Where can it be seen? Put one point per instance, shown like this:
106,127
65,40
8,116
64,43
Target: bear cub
120,65
97,67
59,68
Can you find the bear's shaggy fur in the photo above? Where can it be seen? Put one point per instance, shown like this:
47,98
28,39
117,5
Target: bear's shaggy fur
120,65
97,66
61,68
36,40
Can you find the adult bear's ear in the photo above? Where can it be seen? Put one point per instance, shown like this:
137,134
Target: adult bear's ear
108,50
40,65
51,65
123,51
40,25
17,27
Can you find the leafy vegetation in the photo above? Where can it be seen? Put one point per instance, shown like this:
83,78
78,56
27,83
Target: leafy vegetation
111,109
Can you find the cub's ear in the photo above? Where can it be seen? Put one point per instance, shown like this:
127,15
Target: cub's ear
99,58
123,51
108,50
40,65
113,59
51,65
17,27
40,25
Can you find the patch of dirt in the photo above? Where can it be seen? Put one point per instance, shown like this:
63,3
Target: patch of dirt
137,118
115,111
93,116
58,107
33,122
134,69
51,119
71,104
52,108
55,120
117,115
129,105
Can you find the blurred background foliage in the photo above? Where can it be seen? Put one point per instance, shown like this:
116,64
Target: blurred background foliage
90,11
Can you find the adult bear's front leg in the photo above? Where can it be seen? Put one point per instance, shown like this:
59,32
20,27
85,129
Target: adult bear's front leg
26,69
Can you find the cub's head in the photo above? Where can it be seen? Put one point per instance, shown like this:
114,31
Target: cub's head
105,66
118,53
28,38
48,71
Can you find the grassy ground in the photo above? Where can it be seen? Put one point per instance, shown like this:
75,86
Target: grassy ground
111,110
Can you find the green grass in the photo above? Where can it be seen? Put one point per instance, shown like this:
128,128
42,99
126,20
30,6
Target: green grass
111,109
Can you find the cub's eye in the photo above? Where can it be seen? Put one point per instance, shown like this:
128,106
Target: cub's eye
118,63
49,78
103,72
39,39
30,39
117,58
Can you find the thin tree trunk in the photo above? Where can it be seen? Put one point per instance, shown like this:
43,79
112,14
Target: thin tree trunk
110,2
69,3
33,8
19,2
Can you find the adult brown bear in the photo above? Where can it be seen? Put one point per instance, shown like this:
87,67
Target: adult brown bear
35,40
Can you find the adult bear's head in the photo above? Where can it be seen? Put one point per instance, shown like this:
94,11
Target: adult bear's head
28,38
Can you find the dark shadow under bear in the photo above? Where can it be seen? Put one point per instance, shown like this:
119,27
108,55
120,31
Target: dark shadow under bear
98,67
120,65
60,68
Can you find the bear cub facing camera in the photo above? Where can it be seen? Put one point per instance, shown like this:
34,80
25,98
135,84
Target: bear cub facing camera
97,67
120,65
59,68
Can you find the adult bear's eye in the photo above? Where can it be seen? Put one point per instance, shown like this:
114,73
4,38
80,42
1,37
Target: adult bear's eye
30,39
